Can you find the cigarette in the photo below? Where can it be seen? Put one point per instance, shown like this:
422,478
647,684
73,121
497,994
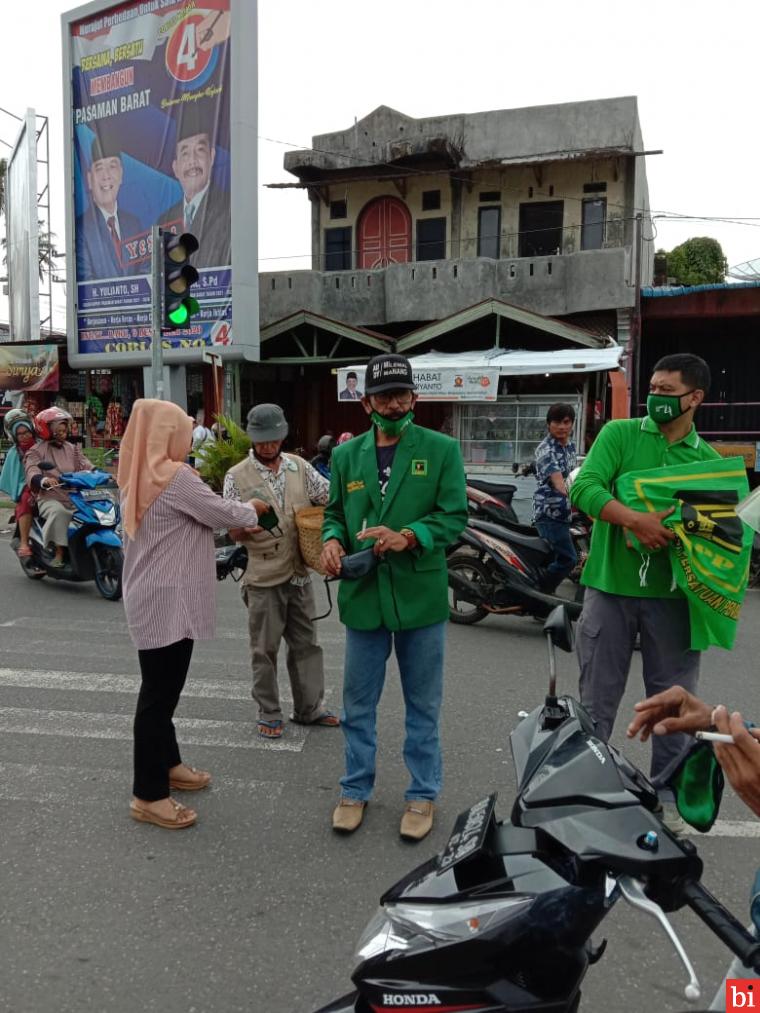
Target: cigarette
714,737
364,526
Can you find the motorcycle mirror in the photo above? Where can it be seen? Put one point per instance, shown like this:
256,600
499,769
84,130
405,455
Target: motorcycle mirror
559,629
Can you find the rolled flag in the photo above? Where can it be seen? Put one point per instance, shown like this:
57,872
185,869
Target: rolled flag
711,552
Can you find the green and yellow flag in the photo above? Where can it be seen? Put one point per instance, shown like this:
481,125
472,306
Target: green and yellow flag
711,552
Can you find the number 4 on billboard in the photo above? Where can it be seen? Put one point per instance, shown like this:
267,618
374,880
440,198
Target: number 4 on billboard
187,54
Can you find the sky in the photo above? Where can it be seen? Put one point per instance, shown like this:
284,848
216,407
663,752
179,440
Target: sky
321,65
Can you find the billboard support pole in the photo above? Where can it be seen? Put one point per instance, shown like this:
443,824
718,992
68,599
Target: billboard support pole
157,282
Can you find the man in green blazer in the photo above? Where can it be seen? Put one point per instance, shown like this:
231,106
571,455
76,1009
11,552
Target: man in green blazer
401,489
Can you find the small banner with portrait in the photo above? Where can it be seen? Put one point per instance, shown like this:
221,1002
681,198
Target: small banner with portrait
711,552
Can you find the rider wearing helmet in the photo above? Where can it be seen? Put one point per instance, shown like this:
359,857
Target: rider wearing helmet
54,505
344,438
321,462
19,429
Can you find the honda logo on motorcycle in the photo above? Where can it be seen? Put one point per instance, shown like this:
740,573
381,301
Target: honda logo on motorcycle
411,999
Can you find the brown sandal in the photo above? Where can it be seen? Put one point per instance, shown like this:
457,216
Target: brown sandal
202,780
183,817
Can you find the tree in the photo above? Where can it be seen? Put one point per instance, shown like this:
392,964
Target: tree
698,261
47,252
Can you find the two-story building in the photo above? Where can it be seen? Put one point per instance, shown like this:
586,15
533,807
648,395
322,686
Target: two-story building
511,229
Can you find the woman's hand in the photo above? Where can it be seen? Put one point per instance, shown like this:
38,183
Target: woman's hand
675,710
330,558
386,539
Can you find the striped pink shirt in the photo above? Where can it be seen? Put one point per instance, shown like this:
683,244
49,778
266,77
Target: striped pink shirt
169,569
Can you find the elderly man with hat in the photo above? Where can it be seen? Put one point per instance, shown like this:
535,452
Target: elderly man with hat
276,585
401,489
104,227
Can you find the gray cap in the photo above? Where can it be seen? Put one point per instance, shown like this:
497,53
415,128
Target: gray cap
266,423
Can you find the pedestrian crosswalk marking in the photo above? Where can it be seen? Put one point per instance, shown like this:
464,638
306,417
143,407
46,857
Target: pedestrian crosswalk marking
108,682
190,731
43,783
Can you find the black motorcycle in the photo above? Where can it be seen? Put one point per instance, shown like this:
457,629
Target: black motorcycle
488,501
502,569
502,920
231,561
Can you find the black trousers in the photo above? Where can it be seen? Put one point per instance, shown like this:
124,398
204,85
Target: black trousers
163,670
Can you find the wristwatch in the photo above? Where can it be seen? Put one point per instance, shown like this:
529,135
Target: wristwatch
411,538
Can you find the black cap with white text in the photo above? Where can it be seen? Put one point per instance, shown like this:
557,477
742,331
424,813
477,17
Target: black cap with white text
388,372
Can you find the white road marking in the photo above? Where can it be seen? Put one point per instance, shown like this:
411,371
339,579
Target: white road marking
735,828
34,782
191,731
107,682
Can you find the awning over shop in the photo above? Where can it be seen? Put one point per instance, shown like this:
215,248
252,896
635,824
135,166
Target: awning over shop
474,376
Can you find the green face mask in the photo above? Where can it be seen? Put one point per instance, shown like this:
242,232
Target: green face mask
664,408
392,427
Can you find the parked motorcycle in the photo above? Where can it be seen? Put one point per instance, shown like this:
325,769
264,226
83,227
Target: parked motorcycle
491,502
95,546
502,569
501,921
231,561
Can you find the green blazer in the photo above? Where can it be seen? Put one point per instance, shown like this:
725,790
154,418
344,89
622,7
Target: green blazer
426,492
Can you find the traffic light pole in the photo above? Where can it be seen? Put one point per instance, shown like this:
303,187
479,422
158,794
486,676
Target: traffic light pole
157,280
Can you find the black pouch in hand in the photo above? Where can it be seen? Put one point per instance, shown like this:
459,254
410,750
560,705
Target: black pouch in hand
357,565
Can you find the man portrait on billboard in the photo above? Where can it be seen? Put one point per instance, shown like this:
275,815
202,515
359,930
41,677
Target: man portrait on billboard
350,392
104,227
204,209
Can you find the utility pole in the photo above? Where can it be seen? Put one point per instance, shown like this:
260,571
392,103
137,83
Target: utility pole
156,312
634,342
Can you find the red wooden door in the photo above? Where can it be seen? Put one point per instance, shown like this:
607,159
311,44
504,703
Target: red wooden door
384,233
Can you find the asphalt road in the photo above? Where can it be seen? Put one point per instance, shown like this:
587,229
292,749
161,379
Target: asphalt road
258,907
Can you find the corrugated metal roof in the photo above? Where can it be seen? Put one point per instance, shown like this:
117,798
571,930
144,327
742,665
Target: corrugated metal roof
665,291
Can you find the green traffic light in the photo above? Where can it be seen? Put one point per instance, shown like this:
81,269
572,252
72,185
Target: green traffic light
180,315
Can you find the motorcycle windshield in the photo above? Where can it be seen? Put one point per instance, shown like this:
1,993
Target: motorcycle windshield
86,479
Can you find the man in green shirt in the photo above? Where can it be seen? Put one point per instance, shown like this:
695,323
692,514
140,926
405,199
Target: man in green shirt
627,596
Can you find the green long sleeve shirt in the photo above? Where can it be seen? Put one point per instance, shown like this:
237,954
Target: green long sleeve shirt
628,445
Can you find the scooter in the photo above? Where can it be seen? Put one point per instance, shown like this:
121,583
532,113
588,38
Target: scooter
501,921
231,561
499,569
490,502
95,546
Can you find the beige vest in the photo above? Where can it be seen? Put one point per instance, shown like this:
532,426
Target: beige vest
273,560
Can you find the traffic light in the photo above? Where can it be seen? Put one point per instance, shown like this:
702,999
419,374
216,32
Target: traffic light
179,275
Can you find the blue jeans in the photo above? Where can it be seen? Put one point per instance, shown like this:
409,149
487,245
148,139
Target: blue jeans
420,660
557,534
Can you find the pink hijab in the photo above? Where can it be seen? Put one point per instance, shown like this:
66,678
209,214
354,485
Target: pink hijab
156,442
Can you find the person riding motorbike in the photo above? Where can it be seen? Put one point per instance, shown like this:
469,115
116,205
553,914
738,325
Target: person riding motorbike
19,429
54,505
324,451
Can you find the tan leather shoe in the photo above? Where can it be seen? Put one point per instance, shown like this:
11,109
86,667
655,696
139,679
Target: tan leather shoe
348,815
417,821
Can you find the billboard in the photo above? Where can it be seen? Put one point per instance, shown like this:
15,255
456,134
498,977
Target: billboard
22,234
29,367
156,137
444,383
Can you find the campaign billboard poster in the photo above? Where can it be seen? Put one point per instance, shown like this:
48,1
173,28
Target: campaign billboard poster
444,383
153,92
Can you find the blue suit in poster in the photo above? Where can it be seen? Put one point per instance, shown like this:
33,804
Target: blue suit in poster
99,255
151,110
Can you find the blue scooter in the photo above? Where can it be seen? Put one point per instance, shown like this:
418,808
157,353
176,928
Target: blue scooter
95,546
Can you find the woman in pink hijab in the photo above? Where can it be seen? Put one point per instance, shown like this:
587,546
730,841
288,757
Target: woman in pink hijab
169,581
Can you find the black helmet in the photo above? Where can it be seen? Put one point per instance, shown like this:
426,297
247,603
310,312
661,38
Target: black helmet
325,445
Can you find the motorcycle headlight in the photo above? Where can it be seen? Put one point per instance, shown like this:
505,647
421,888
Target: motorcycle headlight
411,927
105,517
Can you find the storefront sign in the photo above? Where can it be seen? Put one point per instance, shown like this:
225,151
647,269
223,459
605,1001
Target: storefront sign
446,384
28,367
150,107
744,450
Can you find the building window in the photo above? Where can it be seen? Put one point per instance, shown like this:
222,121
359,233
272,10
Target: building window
594,220
595,188
431,200
338,249
489,229
541,229
489,196
338,209
431,239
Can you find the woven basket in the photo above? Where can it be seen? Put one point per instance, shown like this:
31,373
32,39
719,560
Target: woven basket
309,524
